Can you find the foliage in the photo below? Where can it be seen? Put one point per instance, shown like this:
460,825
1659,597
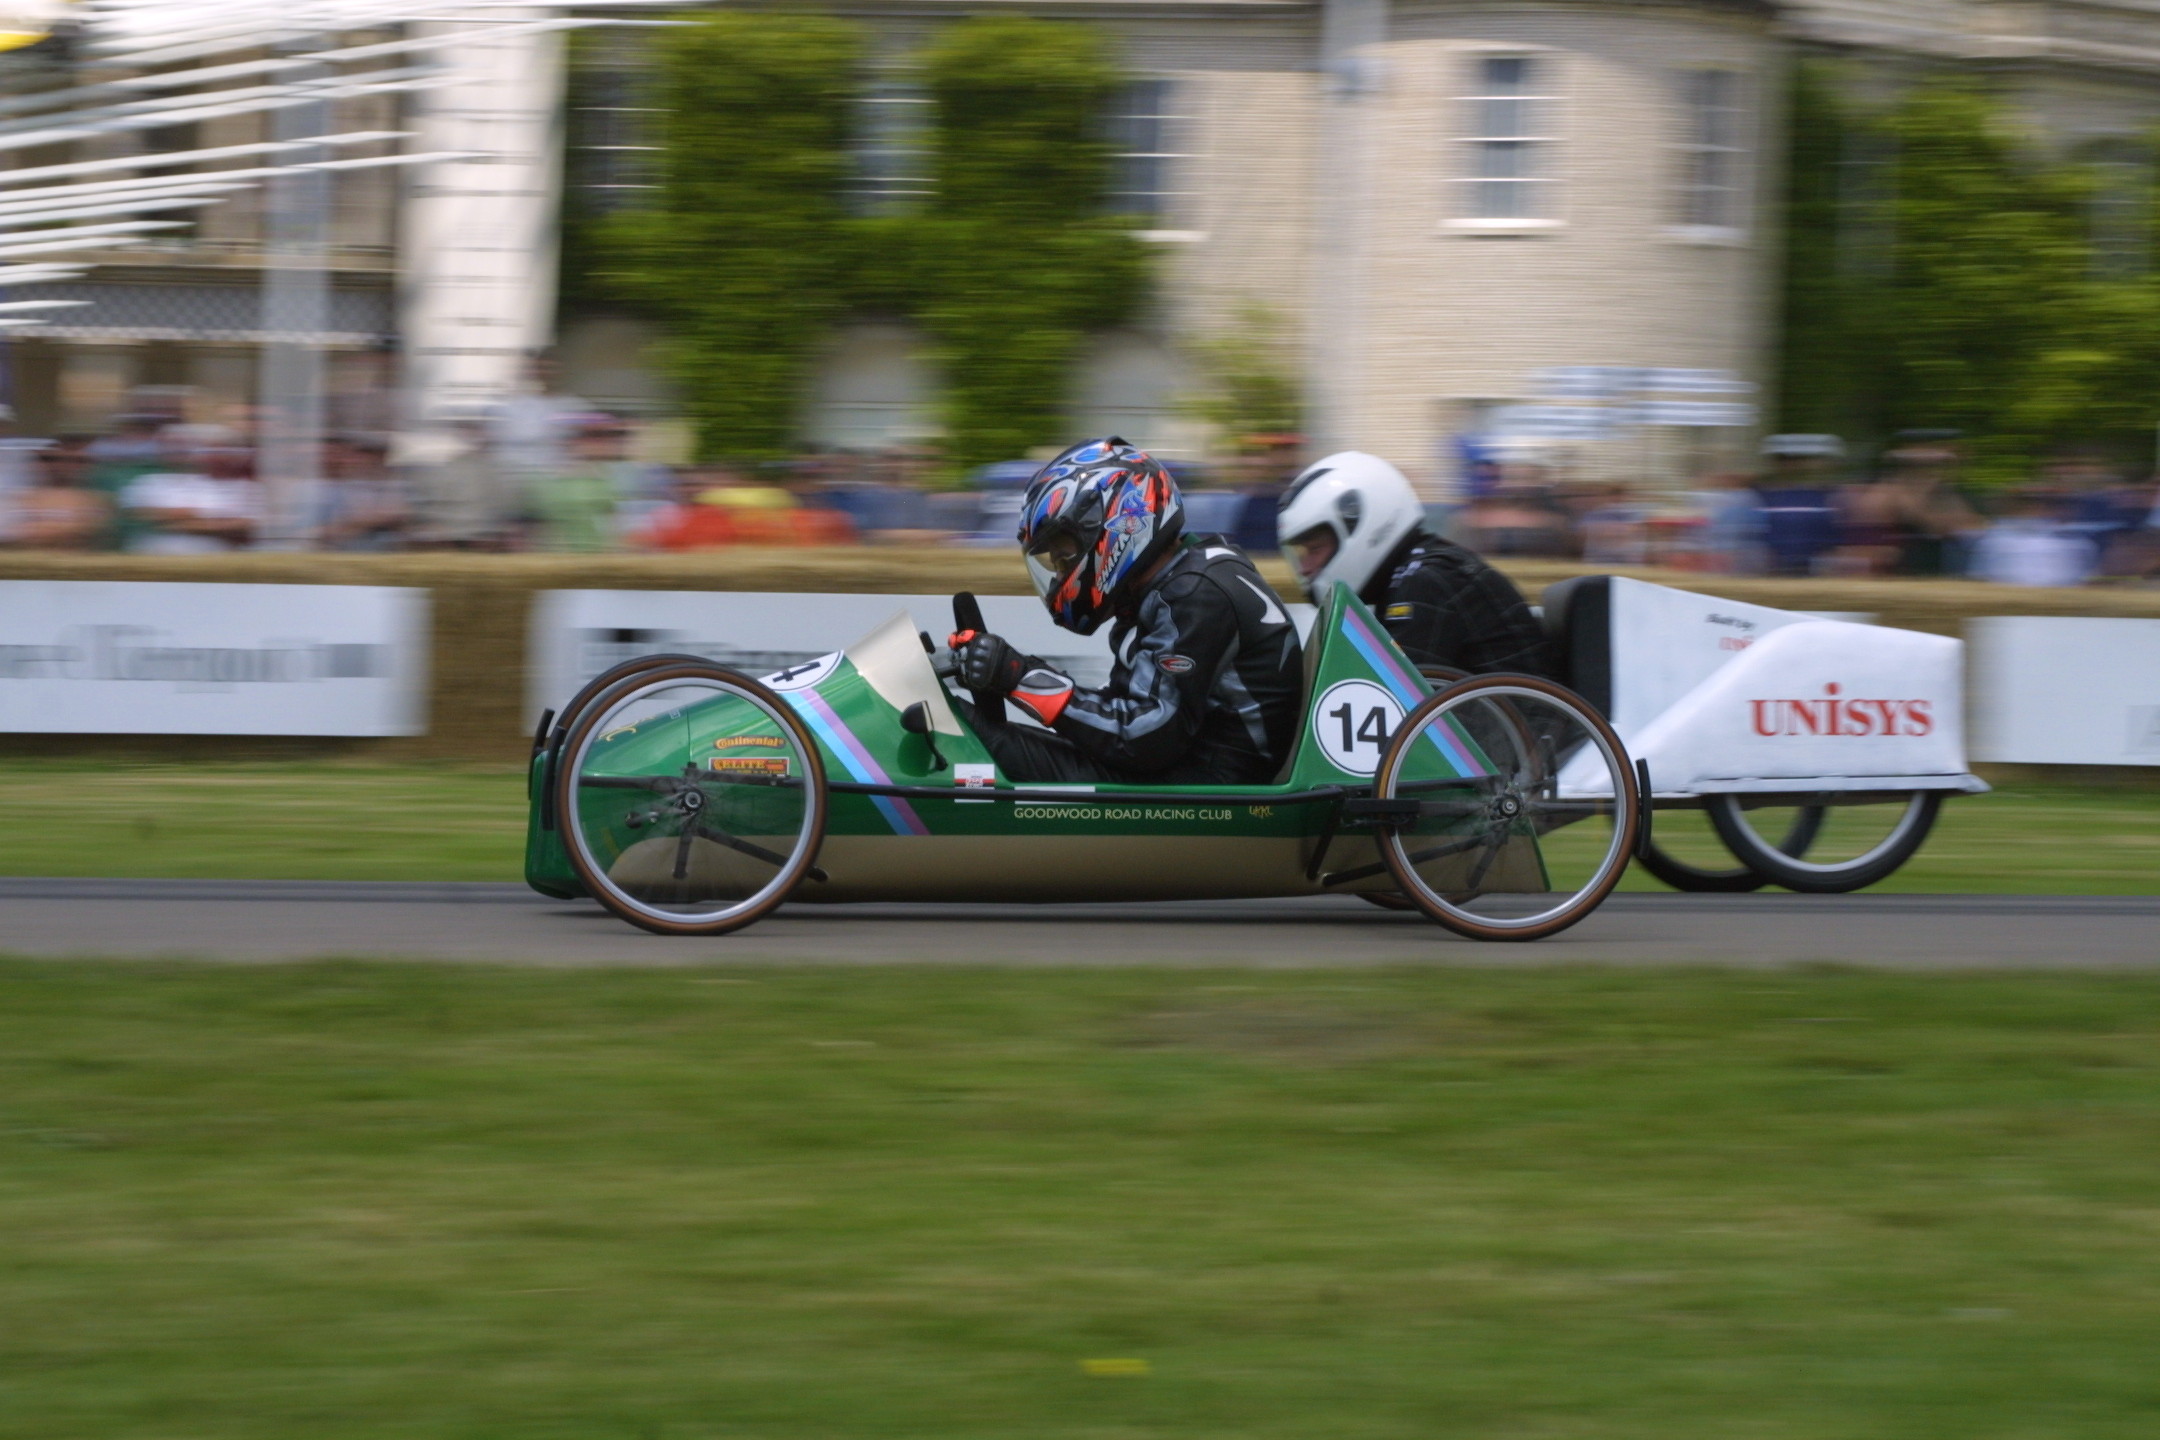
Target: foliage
1942,272
1254,387
1018,259
1821,361
744,252
751,253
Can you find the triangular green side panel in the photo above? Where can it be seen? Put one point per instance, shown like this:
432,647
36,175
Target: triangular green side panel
1362,687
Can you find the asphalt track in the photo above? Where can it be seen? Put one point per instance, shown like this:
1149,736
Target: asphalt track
260,920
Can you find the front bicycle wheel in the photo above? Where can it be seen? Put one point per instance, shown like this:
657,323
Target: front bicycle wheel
692,799
1526,808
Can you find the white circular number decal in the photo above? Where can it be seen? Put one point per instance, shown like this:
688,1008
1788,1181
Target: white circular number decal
803,675
1353,723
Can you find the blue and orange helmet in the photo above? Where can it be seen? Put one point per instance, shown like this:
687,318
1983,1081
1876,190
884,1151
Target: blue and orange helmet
1095,520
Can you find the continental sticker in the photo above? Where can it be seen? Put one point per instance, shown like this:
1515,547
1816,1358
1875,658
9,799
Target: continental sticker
749,765
1397,612
730,742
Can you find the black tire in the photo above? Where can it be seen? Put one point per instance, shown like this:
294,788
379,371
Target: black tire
553,739
797,862
1513,794
1834,878
605,680
1439,677
1740,879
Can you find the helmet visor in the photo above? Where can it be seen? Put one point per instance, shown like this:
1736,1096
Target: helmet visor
1310,550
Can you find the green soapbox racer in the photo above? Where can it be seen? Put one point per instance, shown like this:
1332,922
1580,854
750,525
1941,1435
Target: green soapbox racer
692,800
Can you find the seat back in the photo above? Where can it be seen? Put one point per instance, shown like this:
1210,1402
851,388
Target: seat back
1578,621
1309,667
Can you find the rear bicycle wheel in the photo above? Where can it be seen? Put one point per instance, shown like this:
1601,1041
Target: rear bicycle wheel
692,799
1690,861
1857,845
1527,808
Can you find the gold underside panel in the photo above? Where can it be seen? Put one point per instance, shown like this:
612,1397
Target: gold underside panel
1078,868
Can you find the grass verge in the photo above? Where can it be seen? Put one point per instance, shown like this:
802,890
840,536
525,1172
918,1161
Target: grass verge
356,1201
347,821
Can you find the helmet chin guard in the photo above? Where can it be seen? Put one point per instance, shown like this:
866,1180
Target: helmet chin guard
1094,522
1363,504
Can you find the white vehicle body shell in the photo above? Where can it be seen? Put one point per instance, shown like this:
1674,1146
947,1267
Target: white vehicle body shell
1719,697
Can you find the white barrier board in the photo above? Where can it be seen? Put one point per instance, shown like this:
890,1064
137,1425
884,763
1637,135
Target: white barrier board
2063,691
576,634
133,658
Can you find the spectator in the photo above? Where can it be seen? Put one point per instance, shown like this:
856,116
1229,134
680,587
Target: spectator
195,503
1615,529
530,431
117,461
1800,517
364,507
58,511
1520,517
1733,526
18,465
463,500
575,505
1933,520
2032,545
2095,503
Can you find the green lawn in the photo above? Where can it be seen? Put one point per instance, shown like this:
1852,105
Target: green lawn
318,821
361,1200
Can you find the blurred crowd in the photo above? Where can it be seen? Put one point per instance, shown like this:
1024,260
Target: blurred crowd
538,472
1807,511
544,472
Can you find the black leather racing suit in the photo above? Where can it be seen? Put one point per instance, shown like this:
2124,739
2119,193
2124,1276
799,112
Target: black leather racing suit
1204,687
1445,606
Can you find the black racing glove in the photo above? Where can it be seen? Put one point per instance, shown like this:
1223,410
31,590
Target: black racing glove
988,665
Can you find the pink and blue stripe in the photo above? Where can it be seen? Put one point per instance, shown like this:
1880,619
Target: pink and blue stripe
860,764
1409,691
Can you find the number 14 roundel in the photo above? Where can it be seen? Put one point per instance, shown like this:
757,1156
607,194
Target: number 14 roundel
1353,723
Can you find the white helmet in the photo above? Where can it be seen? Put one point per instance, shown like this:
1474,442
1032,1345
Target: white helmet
1342,518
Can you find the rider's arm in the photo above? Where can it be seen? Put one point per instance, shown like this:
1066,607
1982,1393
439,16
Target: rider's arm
1150,715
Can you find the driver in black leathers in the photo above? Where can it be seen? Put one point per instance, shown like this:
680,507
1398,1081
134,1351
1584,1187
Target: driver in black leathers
1206,667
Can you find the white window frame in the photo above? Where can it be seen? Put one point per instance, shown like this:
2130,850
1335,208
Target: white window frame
894,112
1541,103
1172,130
1701,145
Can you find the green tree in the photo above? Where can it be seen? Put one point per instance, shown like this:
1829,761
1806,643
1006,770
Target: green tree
1941,271
1991,270
744,253
1017,256
1253,384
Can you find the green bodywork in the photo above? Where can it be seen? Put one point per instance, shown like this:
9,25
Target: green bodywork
1347,647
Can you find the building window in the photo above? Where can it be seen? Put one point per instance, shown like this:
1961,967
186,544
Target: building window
892,147
1145,134
2119,208
1714,151
1510,114
614,156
